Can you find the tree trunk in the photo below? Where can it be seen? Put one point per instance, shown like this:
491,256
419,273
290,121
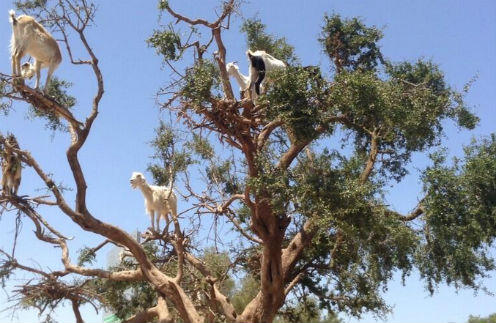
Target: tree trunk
265,305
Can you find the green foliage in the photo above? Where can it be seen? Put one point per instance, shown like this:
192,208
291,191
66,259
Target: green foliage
249,289
127,298
201,147
425,75
406,109
360,242
258,39
273,184
460,224
30,4
86,256
350,44
298,98
167,43
163,4
171,160
305,310
374,244
477,319
199,82
222,174
218,264
4,88
57,91
6,269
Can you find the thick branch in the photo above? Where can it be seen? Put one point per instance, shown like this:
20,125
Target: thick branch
46,104
160,310
414,214
297,146
369,166
294,251
228,8
226,306
77,313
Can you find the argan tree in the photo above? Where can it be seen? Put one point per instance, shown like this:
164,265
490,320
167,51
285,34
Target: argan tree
298,176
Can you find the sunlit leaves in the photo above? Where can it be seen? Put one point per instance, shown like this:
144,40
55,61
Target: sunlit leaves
350,44
167,43
461,216
57,90
170,157
200,81
31,4
297,96
201,147
86,256
258,39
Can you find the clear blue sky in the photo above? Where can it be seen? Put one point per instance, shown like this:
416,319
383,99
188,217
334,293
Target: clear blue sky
459,35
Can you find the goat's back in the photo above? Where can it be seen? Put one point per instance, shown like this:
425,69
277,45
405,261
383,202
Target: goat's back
30,37
162,197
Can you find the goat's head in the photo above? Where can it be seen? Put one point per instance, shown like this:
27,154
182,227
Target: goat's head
232,67
27,70
137,179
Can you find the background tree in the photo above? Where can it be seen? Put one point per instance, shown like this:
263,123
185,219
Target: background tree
477,319
299,177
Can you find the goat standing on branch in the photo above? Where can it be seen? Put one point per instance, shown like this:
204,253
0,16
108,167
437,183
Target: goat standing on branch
29,37
243,80
261,63
11,166
158,199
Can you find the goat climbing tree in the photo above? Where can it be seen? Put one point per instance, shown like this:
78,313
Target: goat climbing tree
297,175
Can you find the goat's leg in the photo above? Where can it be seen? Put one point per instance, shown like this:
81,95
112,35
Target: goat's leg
251,85
49,76
152,218
37,68
167,222
158,221
260,78
16,66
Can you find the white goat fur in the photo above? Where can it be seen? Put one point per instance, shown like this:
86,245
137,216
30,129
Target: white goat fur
243,80
159,200
30,38
257,75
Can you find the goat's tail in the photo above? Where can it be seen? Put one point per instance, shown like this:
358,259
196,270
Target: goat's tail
12,17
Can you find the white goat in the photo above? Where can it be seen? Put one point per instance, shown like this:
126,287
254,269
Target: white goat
158,199
243,80
261,63
29,37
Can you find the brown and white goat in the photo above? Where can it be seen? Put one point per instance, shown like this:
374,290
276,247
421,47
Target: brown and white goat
30,38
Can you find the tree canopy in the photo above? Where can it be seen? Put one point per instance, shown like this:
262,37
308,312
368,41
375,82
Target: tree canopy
297,175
